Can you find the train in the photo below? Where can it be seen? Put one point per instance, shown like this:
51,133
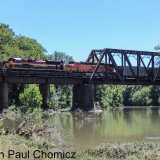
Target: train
51,67
58,68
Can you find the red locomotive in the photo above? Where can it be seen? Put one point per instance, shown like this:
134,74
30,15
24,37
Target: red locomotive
88,67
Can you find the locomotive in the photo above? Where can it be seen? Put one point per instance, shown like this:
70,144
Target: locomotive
18,63
88,67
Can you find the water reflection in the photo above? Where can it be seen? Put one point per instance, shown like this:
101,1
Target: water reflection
155,115
83,129
127,115
110,126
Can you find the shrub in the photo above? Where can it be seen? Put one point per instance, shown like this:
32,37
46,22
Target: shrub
30,97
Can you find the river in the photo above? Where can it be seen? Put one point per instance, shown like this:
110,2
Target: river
111,125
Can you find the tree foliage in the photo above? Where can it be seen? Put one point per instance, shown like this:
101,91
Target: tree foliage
109,95
12,45
131,95
142,97
31,97
62,56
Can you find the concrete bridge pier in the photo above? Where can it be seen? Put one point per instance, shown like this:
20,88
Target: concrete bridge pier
83,97
45,91
3,95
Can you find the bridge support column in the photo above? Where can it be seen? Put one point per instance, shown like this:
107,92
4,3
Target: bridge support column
3,95
45,91
83,97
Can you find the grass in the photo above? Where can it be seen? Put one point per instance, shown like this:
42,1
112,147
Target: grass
126,151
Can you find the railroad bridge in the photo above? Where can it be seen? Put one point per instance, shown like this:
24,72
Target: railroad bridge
130,68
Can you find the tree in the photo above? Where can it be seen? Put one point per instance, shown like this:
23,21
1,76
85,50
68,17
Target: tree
30,48
110,95
30,98
6,37
117,95
12,45
155,94
62,56
103,95
142,97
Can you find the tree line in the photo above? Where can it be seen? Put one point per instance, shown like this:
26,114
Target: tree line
127,95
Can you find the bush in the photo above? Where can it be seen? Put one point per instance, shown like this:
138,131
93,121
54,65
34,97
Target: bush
30,98
142,97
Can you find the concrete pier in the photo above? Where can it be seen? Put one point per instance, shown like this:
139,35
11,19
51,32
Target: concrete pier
45,91
3,95
83,97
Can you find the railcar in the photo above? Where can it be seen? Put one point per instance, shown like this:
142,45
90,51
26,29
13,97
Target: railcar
88,67
127,73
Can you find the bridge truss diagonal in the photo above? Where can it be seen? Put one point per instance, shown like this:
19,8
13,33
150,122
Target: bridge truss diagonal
130,66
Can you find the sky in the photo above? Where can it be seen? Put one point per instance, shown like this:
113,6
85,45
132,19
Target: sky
75,27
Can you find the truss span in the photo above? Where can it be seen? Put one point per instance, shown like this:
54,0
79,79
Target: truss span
130,66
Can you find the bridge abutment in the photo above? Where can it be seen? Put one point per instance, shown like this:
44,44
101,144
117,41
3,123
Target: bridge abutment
83,97
45,91
3,95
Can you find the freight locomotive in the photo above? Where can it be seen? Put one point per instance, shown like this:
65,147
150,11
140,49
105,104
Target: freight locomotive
18,63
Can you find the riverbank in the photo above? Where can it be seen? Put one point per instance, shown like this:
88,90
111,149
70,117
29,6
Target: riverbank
19,147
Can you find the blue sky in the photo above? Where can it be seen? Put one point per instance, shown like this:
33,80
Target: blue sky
78,26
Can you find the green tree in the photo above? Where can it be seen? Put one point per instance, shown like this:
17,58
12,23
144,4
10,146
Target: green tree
30,48
142,97
12,45
155,94
103,95
110,95
30,98
62,56
55,101
117,95
6,37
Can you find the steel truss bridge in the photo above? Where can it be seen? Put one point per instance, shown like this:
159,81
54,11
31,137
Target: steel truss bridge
130,67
